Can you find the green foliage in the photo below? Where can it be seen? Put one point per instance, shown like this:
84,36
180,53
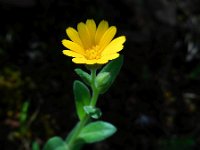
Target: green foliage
177,144
86,131
55,143
24,112
102,80
97,131
78,142
84,76
113,69
35,146
82,97
195,73
77,145
69,136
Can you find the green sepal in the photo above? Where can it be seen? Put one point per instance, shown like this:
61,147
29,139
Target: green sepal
97,131
93,112
83,75
113,68
55,143
82,97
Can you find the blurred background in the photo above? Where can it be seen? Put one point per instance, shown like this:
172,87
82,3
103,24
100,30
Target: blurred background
154,102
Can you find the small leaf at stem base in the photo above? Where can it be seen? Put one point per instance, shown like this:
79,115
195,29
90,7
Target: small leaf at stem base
55,143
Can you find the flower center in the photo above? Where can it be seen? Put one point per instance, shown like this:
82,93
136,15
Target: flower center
92,53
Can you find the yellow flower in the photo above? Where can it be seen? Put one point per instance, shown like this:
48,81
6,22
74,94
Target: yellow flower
91,44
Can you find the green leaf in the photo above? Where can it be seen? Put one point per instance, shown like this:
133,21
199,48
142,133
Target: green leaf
113,68
82,97
55,143
195,73
84,76
177,143
93,112
35,146
24,112
97,131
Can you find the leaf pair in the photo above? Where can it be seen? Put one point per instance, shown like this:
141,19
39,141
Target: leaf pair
91,133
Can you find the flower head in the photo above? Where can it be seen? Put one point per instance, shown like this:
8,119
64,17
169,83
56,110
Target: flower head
91,44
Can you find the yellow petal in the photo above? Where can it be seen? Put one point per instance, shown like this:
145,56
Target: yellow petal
73,35
90,62
84,61
115,46
84,35
79,60
102,61
107,37
71,53
101,29
73,46
110,56
91,26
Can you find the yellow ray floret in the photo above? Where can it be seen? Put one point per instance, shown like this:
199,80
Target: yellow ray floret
91,44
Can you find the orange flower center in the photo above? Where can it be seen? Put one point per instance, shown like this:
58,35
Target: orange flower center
93,53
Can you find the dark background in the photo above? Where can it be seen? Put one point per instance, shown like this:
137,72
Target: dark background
154,101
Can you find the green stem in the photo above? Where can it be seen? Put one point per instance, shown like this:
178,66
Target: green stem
77,131
86,118
95,93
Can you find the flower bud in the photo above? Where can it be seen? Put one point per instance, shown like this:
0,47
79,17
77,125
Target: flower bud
102,80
